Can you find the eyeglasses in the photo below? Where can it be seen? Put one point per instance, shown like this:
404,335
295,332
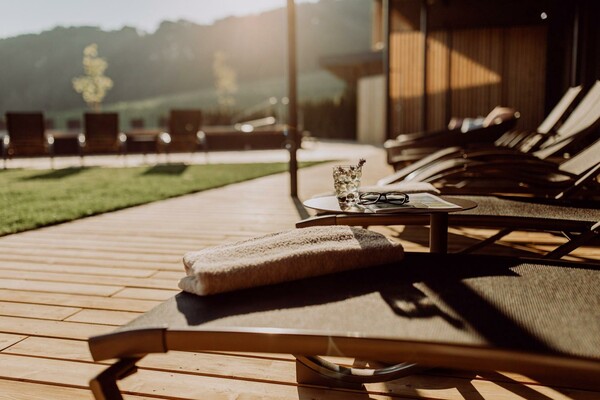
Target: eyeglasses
390,197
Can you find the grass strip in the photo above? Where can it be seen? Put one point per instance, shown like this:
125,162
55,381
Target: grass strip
31,199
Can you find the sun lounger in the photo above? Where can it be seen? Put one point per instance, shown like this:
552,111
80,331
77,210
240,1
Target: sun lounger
570,137
554,128
525,140
579,224
510,175
26,136
407,148
102,134
184,133
458,311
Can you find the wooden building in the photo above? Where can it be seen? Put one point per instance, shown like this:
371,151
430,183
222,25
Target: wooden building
461,58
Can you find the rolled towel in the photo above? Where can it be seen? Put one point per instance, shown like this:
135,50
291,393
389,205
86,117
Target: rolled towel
285,256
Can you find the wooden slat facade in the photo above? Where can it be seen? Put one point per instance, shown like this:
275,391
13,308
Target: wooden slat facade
469,72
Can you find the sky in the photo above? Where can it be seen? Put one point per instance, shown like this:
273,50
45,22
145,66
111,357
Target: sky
34,16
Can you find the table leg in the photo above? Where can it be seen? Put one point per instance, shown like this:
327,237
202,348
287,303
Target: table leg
438,233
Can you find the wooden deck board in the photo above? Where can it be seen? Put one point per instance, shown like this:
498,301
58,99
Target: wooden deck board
104,279
21,390
108,317
38,311
59,287
61,284
57,329
8,340
76,300
146,294
77,269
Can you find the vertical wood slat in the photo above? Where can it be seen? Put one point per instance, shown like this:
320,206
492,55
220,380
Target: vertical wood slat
481,68
437,82
495,62
406,69
526,89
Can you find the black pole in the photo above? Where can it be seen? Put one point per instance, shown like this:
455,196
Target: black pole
425,33
292,96
386,69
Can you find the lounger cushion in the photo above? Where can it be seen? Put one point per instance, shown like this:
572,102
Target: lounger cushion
285,256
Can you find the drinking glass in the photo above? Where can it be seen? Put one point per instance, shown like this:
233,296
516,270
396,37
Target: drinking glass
346,181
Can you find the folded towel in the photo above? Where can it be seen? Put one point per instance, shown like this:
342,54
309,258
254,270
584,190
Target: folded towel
285,256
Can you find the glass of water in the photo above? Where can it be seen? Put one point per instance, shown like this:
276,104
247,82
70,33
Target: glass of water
346,181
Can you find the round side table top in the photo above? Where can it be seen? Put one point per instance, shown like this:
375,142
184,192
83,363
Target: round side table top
330,204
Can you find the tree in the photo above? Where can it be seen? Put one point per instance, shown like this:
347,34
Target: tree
94,84
225,81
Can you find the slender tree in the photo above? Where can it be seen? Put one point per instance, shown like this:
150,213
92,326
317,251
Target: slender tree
94,84
225,81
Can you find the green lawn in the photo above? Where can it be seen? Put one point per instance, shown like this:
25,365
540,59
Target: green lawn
34,198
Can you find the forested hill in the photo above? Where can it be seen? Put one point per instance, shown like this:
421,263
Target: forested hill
36,69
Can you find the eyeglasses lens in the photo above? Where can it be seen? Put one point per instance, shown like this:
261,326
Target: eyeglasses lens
394,198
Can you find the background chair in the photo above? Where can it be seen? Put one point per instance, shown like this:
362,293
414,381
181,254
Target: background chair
577,132
184,128
511,175
26,136
102,134
528,140
408,148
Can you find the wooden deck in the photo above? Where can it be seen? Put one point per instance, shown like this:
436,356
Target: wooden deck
62,284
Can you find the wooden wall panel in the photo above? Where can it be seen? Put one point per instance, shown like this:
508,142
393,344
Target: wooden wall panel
469,72
475,83
406,81
438,69
525,74
370,110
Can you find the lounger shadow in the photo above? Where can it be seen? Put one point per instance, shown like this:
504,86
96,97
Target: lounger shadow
457,311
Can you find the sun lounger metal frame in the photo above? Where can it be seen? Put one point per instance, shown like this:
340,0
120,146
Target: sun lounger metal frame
579,222
411,147
568,138
510,175
459,289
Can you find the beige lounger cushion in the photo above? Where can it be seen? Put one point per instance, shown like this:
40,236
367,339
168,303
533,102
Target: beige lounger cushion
285,256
